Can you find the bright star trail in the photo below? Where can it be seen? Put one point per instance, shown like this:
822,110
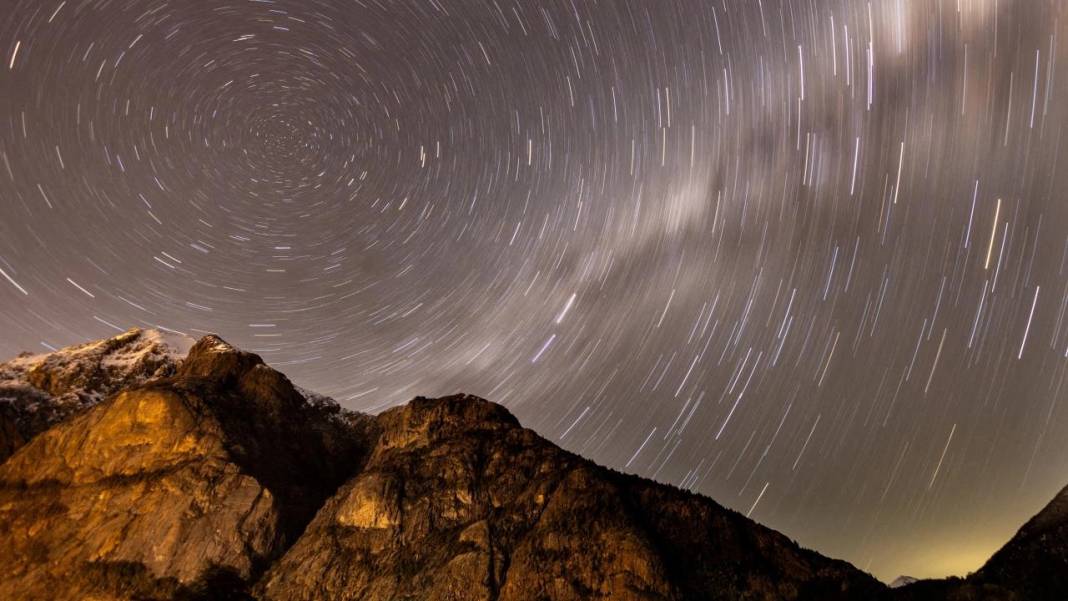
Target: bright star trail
808,258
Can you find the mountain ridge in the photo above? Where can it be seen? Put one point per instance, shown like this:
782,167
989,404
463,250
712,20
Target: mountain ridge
213,476
38,391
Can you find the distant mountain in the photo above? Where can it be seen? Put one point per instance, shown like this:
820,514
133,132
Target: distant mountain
213,477
901,581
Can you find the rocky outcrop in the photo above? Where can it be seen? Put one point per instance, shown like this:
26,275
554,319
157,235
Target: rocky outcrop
458,501
39,391
187,483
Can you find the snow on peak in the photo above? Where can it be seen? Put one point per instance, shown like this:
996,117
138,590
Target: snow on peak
901,581
177,345
91,370
37,391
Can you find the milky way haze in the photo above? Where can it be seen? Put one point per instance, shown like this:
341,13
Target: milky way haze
806,257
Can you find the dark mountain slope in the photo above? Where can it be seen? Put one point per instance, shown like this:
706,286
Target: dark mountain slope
1032,566
1035,561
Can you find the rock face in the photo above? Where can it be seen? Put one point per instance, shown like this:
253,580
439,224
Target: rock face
186,484
213,477
37,391
458,501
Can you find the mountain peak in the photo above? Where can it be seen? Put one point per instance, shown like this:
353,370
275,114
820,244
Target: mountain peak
213,343
425,421
127,351
207,472
40,390
901,581
213,358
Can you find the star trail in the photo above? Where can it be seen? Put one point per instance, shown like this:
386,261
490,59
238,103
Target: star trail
809,258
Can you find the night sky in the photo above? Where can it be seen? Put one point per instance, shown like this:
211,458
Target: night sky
809,258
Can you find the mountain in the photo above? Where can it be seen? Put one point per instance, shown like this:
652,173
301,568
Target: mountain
211,476
901,581
1032,566
37,391
458,501
1035,561
183,486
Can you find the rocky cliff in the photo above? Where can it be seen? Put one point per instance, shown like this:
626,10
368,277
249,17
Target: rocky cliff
37,391
458,501
213,477
184,485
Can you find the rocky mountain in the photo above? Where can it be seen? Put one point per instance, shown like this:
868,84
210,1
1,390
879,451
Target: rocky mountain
186,485
213,477
37,391
458,501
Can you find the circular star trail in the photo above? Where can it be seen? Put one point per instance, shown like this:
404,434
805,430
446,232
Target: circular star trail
808,258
